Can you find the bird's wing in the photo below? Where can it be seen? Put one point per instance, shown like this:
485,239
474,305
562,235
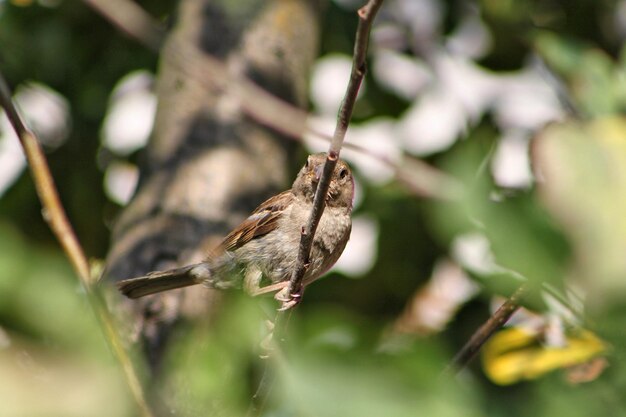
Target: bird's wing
262,221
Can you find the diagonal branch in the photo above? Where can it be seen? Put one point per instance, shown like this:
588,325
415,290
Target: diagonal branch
53,211
484,332
131,19
366,17
417,176
55,216
420,178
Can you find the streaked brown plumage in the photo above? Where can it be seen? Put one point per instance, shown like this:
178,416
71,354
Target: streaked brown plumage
264,247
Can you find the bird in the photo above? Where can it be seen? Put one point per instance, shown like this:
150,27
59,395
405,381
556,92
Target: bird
264,247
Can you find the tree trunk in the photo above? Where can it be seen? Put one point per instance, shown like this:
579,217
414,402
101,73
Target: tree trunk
208,165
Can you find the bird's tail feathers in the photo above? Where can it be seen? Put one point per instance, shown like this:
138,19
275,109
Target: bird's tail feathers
155,282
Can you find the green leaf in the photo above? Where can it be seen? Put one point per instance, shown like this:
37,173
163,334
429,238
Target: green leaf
584,187
591,75
521,235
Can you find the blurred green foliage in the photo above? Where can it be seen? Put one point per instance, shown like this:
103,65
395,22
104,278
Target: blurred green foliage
342,358
53,355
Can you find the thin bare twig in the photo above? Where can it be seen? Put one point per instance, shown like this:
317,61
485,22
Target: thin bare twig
417,176
53,212
495,322
366,17
131,19
55,216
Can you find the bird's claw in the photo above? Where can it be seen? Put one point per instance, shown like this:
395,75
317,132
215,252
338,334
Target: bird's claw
289,300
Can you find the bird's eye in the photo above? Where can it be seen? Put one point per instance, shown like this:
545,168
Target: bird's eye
343,173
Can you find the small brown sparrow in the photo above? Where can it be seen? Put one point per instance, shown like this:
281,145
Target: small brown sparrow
265,246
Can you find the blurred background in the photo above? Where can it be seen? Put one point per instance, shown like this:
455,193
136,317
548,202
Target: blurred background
520,103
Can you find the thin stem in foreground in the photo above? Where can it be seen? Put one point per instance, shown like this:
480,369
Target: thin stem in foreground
54,214
480,337
53,211
366,17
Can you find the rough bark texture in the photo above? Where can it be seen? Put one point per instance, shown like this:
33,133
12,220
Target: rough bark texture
208,165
